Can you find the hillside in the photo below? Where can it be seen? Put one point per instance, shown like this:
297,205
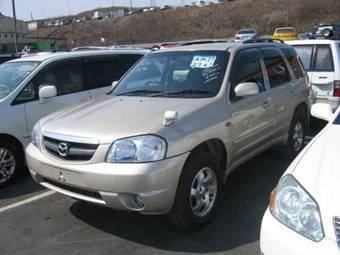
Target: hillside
213,21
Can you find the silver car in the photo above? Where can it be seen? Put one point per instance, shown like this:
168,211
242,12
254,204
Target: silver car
33,87
167,136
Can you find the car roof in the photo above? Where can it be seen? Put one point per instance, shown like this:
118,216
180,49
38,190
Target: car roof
67,55
285,28
230,46
312,42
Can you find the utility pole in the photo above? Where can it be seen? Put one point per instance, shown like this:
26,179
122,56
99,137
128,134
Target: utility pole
131,4
15,27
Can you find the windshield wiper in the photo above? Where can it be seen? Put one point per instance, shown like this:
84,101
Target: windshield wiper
137,91
182,92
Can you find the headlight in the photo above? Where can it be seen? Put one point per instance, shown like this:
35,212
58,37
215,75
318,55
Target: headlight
35,135
294,207
144,148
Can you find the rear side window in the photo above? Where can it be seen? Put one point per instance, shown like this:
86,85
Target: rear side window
305,53
323,58
246,68
277,71
294,62
102,71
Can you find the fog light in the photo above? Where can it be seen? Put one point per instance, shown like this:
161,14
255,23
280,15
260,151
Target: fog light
139,201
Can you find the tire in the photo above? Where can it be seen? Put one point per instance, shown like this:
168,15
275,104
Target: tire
11,163
326,33
185,213
296,135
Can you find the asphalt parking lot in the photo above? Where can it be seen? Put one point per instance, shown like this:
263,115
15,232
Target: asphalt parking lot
56,224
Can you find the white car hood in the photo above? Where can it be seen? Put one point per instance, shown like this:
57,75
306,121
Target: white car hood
318,171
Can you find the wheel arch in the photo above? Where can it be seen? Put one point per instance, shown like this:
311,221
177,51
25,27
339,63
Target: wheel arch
216,148
6,138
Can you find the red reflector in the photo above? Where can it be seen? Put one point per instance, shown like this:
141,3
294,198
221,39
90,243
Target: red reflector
336,91
237,37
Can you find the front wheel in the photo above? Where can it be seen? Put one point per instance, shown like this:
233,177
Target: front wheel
197,193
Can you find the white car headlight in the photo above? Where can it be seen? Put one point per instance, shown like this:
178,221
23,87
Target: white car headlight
145,148
35,135
294,207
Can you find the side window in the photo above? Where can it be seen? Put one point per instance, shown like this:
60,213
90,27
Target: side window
277,70
102,71
294,62
246,68
305,53
323,58
66,76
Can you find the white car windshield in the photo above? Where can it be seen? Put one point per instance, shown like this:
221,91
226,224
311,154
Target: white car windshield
13,73
193,74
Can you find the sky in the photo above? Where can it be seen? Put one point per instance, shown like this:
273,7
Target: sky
51,8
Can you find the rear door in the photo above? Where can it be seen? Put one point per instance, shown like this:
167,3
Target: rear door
101,71
322,74
252,116
280,82
67,76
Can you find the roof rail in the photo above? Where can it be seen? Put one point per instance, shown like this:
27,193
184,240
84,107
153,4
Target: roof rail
262,40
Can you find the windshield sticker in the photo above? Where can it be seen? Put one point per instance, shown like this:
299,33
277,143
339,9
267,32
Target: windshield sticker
203,61
211,73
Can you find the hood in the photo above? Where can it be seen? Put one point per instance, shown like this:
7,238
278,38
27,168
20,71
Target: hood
109,118
318,171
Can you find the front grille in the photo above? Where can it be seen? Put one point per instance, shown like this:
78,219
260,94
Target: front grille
83,192
72,151
336,223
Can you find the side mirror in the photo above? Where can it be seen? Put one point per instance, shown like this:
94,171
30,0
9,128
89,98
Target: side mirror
114,84
322,111
246,89
46,92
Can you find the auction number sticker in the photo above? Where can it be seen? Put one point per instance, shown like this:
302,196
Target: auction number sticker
203,61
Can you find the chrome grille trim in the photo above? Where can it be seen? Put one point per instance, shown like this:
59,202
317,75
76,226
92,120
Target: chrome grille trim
336,223
77,151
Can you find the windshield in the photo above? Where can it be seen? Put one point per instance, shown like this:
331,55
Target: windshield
12,74
337,120
285,30
193,74
246,32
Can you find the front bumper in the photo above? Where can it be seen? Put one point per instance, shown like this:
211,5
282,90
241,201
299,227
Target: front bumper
112,185
277,239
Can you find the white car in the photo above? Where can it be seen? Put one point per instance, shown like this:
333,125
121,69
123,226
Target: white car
321,59
33,87
245,34
303,217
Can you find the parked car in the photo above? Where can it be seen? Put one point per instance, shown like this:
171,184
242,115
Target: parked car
303,215
33,87
285,34
321,59
245,34
329,31
173,128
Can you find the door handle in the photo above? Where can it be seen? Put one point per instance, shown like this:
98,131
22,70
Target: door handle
267,103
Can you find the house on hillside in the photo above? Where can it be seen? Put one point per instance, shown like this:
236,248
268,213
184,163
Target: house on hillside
7,34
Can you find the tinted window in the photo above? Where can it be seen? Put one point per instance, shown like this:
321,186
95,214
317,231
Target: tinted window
66,76
102,71
277,71
246,68
305,53
294,62
247,32
285,30
323,58
176,74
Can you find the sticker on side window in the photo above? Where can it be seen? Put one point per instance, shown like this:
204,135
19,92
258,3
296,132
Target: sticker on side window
203,61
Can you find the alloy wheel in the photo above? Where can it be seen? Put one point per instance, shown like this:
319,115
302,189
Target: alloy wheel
203,192
7,165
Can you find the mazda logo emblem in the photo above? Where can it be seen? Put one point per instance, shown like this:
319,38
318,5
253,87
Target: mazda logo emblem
63,149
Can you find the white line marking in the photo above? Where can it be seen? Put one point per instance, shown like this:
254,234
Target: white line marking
27,201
